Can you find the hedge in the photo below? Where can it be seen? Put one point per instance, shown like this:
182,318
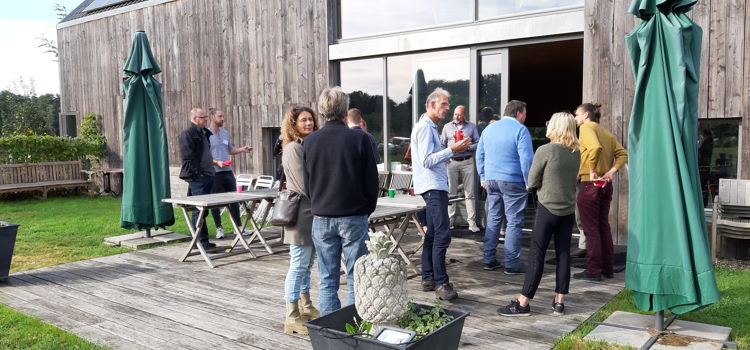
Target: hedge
47,148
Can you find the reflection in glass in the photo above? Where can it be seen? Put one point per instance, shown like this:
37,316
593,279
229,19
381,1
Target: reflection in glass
490,88
364,17
400,100
718,148
448,70
363,81
494,8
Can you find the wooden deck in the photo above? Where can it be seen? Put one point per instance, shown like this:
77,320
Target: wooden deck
148,300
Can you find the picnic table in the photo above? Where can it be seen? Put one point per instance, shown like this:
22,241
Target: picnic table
204,203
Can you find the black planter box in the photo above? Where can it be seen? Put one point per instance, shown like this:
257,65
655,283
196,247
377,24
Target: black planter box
7,242
328,333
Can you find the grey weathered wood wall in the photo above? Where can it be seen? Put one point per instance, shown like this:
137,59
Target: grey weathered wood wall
725,74
253,59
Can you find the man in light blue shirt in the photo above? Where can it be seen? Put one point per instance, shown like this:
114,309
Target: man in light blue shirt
504,158
431,182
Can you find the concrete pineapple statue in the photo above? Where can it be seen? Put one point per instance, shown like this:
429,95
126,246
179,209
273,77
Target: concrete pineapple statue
380,283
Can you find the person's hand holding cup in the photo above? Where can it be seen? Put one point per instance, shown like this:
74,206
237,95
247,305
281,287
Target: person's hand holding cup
461,146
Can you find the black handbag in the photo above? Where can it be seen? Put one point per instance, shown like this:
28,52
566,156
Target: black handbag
286,208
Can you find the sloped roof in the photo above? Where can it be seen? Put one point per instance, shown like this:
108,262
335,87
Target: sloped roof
78,11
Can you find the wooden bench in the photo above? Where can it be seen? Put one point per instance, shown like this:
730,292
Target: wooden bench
731,214
41,177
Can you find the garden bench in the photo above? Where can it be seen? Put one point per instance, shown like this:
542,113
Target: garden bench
41,176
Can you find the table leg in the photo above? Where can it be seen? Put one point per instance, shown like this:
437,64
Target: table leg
257,229
401,226
421,233
194,232
238,235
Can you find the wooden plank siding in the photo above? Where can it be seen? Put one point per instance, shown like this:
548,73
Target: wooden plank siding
725,75
253,59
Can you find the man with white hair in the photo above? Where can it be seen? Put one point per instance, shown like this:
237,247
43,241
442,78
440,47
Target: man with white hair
341,178
431,182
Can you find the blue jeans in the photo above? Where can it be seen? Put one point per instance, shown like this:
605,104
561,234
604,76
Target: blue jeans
438,237
512,197
332,238
298,277
198,186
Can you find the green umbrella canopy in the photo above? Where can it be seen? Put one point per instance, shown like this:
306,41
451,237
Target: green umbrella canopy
145,159
668,264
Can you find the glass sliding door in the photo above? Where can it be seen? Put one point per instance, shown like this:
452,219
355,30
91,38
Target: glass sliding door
492,85
363,81
445,69
400,101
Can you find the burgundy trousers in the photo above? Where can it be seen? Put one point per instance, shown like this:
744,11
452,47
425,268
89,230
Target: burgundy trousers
593,209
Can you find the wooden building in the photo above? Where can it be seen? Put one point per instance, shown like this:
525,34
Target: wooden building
254,59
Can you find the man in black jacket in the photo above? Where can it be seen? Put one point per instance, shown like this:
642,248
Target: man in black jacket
197,164
341,178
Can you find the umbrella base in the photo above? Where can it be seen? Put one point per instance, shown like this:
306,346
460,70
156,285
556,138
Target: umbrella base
636,330
139,240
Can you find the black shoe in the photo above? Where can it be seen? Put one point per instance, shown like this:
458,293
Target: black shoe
585,276
609,275
515,309
446,292
580,253
517,271
558,308
208,245
492,266
428,285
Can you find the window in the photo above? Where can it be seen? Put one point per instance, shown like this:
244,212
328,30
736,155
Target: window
493,8
718,150
68,125
363,81
363,17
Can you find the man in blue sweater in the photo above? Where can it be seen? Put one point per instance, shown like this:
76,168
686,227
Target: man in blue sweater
504,158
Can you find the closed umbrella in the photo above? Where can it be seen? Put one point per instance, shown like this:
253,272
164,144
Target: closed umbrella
146,164
668,261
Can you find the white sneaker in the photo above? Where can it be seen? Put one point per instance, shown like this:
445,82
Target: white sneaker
219,232
246,232
473,227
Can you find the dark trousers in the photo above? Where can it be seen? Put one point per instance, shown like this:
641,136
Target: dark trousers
438,237
198,186
547,225
224,181
593,208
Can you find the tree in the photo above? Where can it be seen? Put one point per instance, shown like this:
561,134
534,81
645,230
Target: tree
24,114
49,45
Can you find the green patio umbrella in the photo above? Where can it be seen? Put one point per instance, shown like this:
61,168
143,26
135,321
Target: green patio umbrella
145,160
668,263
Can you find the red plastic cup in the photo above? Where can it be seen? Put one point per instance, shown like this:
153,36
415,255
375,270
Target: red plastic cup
227,162
411,191
600,183
459,135
239,188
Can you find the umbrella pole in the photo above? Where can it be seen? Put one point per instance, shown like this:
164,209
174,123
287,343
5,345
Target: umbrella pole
148,235
660,321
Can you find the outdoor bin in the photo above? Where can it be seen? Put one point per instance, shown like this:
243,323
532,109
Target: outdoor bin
7,242
328,333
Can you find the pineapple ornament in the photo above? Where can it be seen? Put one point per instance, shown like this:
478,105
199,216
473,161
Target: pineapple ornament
380,283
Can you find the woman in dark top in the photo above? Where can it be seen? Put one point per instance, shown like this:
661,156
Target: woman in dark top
553,175
297,124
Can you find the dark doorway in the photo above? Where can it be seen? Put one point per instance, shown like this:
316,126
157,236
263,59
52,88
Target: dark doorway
549,78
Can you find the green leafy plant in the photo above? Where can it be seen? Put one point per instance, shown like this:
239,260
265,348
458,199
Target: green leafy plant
424,321
359,327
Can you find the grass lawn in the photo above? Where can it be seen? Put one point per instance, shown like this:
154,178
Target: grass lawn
56,231
733,310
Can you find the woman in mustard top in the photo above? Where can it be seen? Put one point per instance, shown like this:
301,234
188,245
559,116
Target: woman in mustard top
601,157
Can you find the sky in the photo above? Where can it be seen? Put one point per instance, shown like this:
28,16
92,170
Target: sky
21,23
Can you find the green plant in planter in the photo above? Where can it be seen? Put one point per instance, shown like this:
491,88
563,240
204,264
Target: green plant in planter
359,327
424,321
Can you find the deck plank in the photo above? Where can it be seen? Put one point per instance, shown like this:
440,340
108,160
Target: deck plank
149,300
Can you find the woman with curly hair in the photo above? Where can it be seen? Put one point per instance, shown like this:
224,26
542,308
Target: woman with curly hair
298,123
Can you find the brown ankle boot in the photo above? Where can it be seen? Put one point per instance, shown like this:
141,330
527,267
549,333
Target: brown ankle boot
293,322
306,308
